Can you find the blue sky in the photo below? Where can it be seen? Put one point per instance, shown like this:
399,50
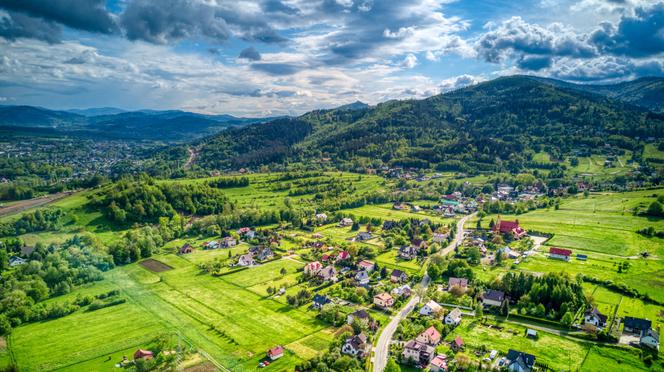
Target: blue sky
273,57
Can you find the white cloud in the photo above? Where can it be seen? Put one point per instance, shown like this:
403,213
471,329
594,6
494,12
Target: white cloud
410,61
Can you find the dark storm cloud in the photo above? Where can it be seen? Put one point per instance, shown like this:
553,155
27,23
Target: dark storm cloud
534,63
87,15
638,36
161,22
277,68
19,25
250,54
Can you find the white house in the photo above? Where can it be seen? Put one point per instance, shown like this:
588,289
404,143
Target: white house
594,317
493,298
453,317
321,217
362,277
439,237
345,222
355,346
246,260
430,308
650,338
16,261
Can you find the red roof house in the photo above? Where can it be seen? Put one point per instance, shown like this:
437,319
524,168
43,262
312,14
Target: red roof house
510,227
457,344
560,253
143,354
276,352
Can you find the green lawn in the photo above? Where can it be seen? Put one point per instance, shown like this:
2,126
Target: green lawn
222,316
601,223
391,260
386,212
558,352
601,359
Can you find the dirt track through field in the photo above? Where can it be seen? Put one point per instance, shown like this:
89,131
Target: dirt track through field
32,203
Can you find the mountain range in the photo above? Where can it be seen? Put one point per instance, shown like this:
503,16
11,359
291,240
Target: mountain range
169,125
493,126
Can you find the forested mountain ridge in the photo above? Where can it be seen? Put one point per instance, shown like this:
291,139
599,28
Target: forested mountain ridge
646,92
170,125
493,126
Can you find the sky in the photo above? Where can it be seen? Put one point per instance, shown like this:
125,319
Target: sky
286,57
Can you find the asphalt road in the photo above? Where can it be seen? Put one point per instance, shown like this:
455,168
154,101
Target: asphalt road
382,348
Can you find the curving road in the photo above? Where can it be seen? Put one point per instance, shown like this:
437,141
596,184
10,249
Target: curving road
382,349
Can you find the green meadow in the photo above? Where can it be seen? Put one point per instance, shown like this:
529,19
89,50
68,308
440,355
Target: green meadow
225,317
600,223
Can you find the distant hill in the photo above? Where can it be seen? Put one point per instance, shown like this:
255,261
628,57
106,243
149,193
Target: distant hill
30,116
492,126
169,125
95,111
646,92
357,105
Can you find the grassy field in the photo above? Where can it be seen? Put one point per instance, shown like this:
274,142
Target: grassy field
559,353
601,223
391,260
386,212
222,316
600,359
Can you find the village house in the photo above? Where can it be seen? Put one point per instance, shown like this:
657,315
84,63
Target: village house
328,273
364,235
438,364
16,261
317,236
430,336
403,291
265,254
594,317
418,244
430,307
493,298
366,265
439,237
321,217
518,361
275,353
362,277
343,255
228,242
214,244
453,317
560,253
312,268
398,276
361,316
635,325
457,282
383,300
246,260
408,252
143,354
510,227
345,222
246,232
418,353
186,249
319,301
356,346
457,344
389,225
649,338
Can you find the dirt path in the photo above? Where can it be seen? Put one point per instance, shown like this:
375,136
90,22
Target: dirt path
192,157
32,203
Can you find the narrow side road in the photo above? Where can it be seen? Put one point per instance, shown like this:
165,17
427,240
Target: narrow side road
382,348
190,160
